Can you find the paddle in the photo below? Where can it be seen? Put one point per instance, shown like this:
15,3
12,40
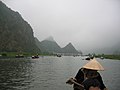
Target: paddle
72,81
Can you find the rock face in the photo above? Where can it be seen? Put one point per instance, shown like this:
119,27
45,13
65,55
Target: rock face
50,45
69,49
15,33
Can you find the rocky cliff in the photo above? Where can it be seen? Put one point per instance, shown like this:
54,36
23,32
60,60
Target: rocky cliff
15,33
50,45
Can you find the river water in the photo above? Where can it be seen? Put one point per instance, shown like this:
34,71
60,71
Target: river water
51,73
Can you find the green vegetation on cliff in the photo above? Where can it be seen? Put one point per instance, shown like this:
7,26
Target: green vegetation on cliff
50,46
16,35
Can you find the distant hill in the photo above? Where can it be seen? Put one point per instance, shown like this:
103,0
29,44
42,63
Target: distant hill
50,45
69,49
15,33
50,39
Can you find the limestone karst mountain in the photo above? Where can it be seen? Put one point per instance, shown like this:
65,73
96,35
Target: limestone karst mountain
15,33
50,45
69,48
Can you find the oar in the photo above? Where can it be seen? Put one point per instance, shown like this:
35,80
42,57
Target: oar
73,81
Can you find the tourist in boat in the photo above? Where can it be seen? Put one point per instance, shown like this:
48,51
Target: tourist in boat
88,77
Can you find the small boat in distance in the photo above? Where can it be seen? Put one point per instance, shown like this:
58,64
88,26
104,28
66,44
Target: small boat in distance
19,56
102,58
36,56
87,58
59,55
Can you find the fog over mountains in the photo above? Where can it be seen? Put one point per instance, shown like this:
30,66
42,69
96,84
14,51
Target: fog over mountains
16,34
50,38
90,25
51,46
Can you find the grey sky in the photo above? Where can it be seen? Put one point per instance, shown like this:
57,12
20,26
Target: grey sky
88,24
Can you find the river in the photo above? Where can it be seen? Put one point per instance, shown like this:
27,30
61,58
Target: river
51,73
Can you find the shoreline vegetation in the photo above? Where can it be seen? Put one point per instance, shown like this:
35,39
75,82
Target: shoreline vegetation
27,54
23,54
115,57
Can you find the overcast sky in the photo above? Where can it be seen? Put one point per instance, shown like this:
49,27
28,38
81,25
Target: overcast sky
87,24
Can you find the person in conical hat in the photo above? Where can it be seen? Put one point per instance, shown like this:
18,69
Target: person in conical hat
89,76
93,64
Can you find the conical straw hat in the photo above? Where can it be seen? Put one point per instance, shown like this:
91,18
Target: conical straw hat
94,65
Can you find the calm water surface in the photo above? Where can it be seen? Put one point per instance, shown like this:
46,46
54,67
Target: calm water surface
51,73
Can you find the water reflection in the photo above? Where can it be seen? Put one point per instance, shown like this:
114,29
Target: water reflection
50,73
15,74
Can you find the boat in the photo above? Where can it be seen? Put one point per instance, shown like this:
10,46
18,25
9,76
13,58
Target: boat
19,56
102,58
36,56
87,58
59,55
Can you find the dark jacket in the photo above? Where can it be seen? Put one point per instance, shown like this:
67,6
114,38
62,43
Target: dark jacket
80,78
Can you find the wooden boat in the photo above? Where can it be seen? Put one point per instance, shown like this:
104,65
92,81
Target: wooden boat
36,56
102,58
59,55
19,56
87,58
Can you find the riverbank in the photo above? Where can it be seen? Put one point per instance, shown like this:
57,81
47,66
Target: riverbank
115,57
21,54
26,54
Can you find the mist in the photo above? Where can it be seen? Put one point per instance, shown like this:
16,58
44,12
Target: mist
90,25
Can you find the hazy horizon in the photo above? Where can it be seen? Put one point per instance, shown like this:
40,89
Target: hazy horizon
89,25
